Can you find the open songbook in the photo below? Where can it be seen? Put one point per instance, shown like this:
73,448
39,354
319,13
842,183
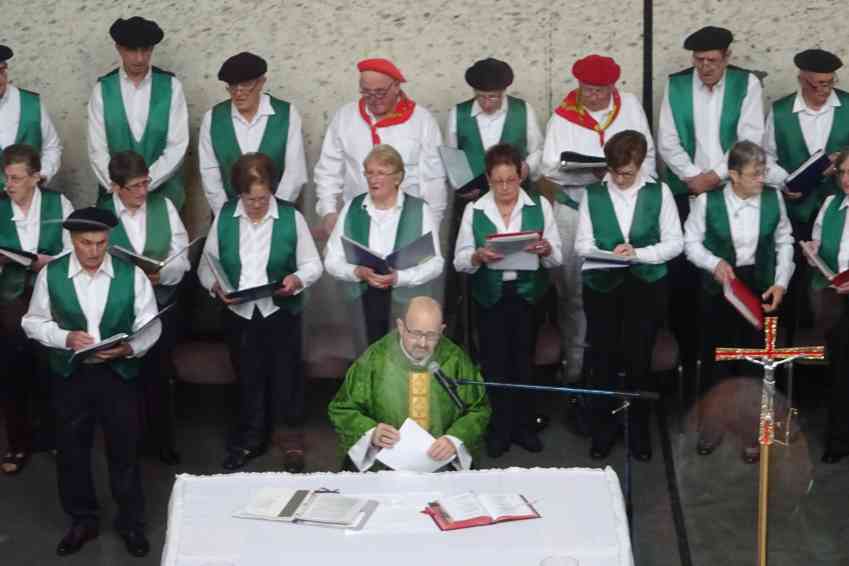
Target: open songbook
20,257
318,508
459,171
232,291
416,252
512,246
477,509
809,174
116,339
836,279
573,161
148,264
601,259
745,301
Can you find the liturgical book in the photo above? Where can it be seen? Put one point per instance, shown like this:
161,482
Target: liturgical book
318,508
836,279
148,264
471,509
809,174
232,291
745,301
20,257
512,246
416,252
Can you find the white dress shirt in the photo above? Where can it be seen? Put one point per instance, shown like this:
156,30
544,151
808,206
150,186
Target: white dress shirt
383,227
744,221
671,242
815,125
707,111
562,135
490,127
254,249
466,246
249,136
10,119
339,170
137,106
92,292
843,250
135,225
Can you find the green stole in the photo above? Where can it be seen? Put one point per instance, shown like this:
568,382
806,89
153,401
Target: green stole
487,283
13,279
29,125
226,145
282,258
793,151
681,103
118,315
358,226
719,242
833,222
515,132
645,231
119,136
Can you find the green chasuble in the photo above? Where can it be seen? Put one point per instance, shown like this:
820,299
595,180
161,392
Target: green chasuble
376,390
681,104
833,222
282,258
13,279
486,283
645,231
718,238
29,125
793,151
358,225
119,136
226,146
118,314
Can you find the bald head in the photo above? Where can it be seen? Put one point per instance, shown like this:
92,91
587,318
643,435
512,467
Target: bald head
422,327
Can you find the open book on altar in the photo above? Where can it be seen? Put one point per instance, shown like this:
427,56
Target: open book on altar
745,301
472,509
148,264
232,291
459,171
836,279
310,507
20,257
809,174
415,253
573,161
116,339
512,246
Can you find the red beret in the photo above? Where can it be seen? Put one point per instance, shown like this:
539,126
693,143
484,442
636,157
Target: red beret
383,66
596,70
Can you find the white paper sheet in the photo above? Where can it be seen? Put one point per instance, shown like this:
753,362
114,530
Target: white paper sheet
410,453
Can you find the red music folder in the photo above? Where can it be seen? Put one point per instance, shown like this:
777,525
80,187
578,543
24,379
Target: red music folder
745,301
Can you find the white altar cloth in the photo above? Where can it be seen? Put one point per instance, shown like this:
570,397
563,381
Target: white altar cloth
583,516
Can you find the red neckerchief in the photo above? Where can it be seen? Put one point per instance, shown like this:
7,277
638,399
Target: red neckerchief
403,110
571,109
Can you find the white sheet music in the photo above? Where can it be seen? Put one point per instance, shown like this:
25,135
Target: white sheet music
410,453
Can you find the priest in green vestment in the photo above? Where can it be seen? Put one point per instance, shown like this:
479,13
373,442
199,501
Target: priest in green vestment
390,383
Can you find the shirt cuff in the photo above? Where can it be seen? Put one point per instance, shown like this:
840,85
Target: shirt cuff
363,453
463,461
59,338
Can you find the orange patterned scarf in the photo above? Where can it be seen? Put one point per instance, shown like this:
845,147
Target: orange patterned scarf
403,110
571,109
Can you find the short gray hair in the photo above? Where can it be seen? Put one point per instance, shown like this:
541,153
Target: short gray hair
743,153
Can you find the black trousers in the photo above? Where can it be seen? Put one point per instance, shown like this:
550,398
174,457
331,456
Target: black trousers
622,326
684,281
155,378
372,317
837,343
507,334
95,393
266,353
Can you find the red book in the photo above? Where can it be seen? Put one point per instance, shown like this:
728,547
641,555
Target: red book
475,510
836,279
747,303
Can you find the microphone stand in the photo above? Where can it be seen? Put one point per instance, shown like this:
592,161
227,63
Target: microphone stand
625,396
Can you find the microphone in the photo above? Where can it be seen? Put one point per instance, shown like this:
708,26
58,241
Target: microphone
447,384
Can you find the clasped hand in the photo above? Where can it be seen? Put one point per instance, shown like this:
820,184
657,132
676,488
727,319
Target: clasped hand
77,340
376,280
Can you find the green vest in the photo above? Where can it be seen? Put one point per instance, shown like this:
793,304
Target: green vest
681,104
29,125
157,227
13,279
119,136
226,145
282,258
118,315
833,222
487,283
515,132
645,231
793,151
358,226
719,242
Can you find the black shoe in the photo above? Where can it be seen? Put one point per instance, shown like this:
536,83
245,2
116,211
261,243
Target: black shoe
75,539
238,457
293,461
169,457
833,454
529,440
706,446
136,542
601,445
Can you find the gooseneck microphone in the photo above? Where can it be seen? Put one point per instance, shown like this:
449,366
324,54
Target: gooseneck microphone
447,384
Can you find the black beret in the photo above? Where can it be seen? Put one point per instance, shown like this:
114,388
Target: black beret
5,53
709,38
489,74
242,67
817,61
136,32
90,219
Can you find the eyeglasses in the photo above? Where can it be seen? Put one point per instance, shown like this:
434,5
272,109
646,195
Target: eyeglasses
247,86
509,182
756,174
376,94
378,174
489,96
3,69
418,335
18,178
820,85
143,184
589,90
624,174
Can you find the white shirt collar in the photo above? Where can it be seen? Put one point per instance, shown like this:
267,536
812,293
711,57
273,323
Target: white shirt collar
126,78
270,213
843,204
74,267
476,109
265,109
488,200
799,105
399,202
18,213
705,88
121,208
